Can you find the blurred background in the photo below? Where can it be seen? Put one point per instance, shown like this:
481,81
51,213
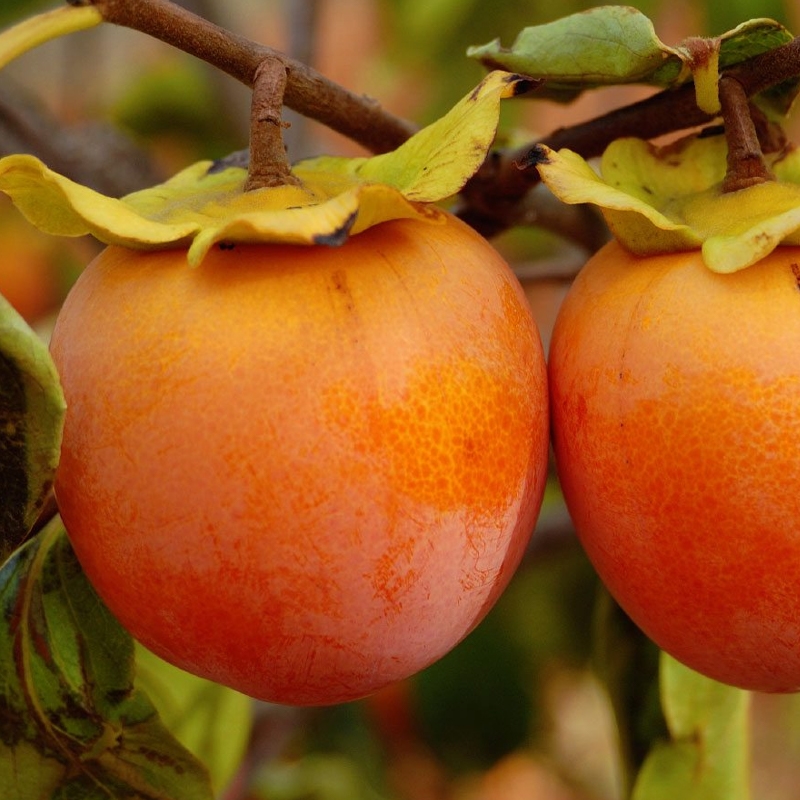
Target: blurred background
518,711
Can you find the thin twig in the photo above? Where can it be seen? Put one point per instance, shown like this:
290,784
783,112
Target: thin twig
302,18
359,118
96,154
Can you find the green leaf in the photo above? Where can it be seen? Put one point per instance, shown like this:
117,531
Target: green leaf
660,200
212,721
707,756
32,410
72,724
206,204
612,45
599,47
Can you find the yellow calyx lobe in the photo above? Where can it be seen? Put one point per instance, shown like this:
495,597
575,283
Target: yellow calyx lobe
335,197
666,199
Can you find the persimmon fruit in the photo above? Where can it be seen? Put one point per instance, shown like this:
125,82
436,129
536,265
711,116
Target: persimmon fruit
28,274
303,472
675,396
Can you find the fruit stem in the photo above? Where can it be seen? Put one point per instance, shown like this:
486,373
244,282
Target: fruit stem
308,92
269,165
746,165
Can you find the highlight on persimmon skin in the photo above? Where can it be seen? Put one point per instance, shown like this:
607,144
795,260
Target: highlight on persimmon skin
676,420
303,472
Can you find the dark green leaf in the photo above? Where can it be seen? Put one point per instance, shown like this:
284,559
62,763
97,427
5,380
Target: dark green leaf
72,724
31,418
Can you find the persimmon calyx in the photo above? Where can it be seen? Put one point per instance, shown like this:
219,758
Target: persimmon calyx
666,199
327,200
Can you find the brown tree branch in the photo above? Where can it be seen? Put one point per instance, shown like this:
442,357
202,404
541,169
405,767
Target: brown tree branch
359,118
95,155
365,121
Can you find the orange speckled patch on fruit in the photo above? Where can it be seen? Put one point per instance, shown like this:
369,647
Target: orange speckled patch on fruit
457,439
731,431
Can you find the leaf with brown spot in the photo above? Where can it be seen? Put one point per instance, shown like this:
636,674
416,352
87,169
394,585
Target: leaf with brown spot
72,723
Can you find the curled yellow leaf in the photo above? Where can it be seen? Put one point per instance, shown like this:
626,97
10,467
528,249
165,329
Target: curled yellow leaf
658,200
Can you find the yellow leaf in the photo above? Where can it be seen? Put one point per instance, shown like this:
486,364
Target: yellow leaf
436,162
642,227
59,206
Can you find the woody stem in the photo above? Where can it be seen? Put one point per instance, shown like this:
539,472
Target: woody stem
269,165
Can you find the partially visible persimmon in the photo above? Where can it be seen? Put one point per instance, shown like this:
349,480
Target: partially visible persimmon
28,274
676,423
304,472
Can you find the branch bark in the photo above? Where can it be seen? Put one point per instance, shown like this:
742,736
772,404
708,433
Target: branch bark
359,118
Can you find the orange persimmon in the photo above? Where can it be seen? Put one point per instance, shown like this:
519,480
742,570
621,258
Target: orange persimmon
304,472
675,398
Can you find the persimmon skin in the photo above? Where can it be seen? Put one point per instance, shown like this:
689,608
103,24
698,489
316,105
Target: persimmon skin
303,472
675,397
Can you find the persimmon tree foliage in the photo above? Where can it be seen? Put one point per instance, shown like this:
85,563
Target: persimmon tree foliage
292,430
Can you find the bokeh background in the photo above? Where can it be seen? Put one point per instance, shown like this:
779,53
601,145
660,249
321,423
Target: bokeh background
517,711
